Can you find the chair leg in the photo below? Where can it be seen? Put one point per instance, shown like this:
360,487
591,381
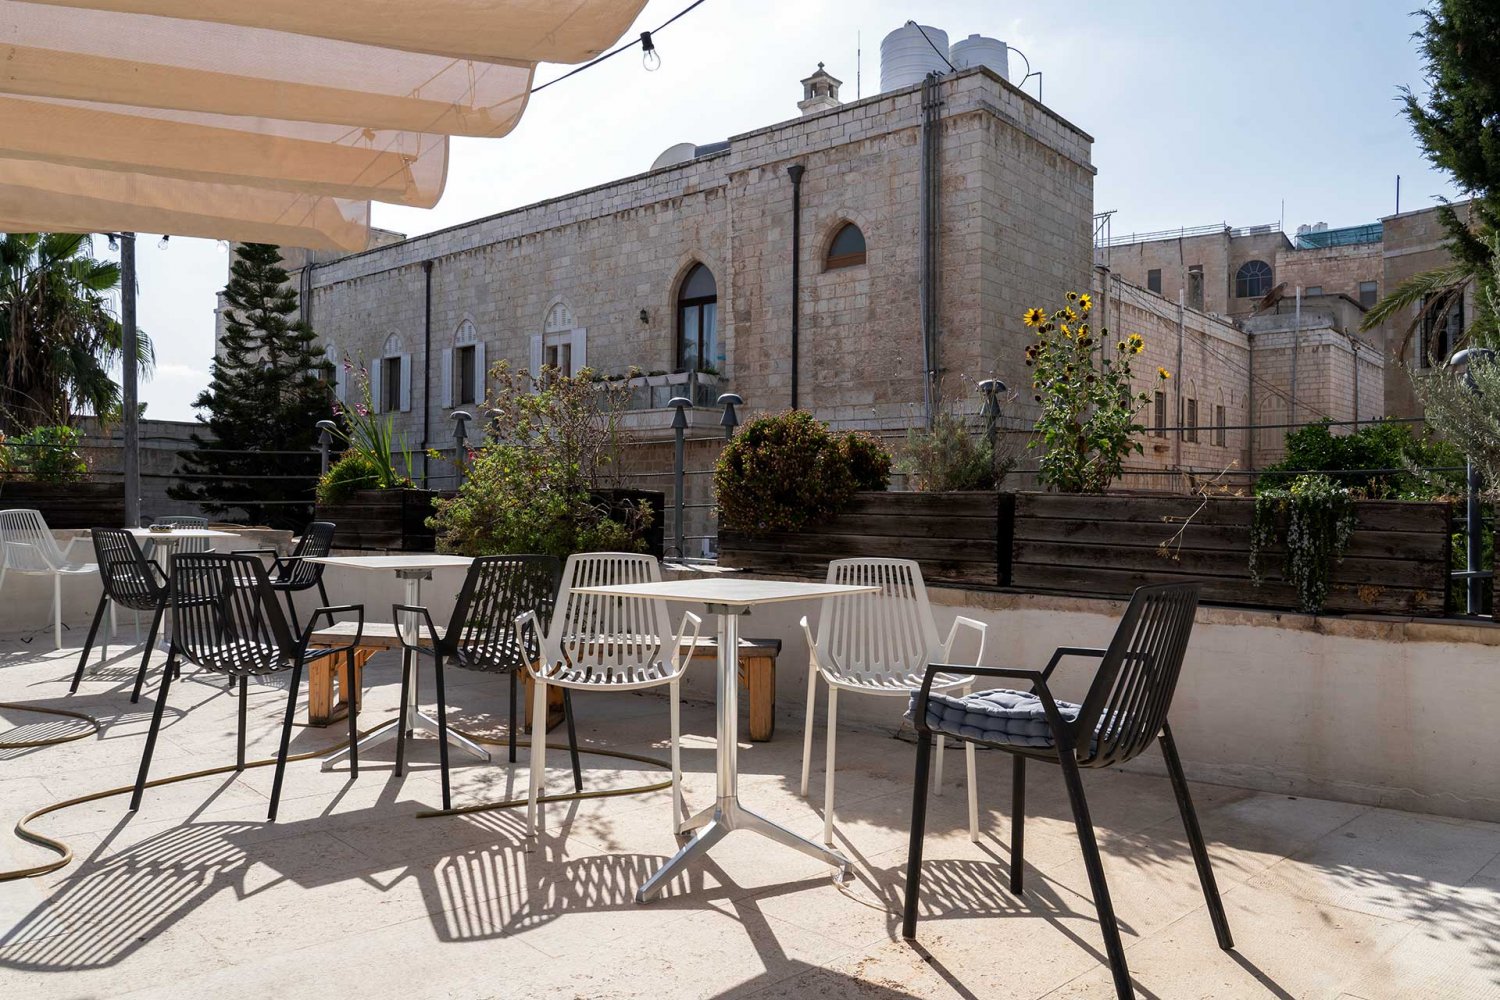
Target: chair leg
807,728
156,714
1100,888
239,756
1017,823
918,823
538,754
352,696
828,763
140,675
291,612
88,644
113,626
1195,838
515,684
406,668
675,695
442,720
572,740
286,739
57,609
322,592
937,764
971,778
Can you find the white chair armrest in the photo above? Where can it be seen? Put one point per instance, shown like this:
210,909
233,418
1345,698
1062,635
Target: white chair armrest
523,621
969,623
680,662
812,645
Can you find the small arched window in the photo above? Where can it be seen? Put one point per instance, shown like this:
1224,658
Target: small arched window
698,321
847,248
1253,280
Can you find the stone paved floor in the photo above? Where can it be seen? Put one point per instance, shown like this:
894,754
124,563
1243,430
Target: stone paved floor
351,894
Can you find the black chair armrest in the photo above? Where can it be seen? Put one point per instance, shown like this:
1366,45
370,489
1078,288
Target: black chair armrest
328,613
1065,651
273,553
416,647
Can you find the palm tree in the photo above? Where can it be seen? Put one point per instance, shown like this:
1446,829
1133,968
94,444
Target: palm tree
58,338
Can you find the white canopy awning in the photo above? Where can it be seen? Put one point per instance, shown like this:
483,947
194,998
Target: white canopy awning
279,118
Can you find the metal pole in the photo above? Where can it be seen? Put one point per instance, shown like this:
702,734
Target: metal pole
1474,544
1296,348
461,420
129,346
795,173
326,429
679,426
1181,332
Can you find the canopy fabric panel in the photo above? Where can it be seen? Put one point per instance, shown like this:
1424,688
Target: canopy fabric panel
564,31
163,62
48,197
404,168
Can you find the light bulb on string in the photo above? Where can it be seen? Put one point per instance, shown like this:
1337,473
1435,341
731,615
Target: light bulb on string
649,56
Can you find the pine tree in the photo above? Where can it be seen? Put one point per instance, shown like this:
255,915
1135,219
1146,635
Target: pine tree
269,388
1456,127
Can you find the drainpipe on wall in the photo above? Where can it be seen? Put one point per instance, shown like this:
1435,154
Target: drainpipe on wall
1250,402
795,173
1296,347
426,364
1181,329
927,223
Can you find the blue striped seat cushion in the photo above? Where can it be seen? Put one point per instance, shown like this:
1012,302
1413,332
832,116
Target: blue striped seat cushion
1000,716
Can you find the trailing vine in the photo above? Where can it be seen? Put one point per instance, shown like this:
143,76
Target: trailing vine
1313,518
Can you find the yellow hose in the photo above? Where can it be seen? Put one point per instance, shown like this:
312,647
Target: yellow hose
65,853
31,744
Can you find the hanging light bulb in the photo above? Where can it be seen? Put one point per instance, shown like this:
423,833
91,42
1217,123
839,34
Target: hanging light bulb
114,242
161,244
649,58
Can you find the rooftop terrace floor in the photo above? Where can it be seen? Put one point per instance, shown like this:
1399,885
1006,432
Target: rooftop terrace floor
350,894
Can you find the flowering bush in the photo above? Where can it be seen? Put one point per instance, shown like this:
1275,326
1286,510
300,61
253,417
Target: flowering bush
1087,425
787,471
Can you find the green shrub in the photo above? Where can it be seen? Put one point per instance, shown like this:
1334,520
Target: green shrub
355,470
49,455
948,458
1382,460
788,471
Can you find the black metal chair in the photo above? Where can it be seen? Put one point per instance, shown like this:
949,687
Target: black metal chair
293,574
130,580
228,626
1124,712
481,635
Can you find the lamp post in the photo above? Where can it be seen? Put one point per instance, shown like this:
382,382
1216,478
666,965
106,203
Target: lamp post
461,420
991,388
1474,577
326,430
731,418
679,429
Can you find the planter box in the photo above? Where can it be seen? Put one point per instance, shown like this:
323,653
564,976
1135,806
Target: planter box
383,520
1106,545
960,538
69,505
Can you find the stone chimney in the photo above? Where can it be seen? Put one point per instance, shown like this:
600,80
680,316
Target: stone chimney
819,92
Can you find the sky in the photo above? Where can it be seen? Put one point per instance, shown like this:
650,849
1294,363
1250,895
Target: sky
1278,111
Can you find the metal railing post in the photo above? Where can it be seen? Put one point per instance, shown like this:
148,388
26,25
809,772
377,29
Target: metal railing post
326,430
731,418
679,427
1474,576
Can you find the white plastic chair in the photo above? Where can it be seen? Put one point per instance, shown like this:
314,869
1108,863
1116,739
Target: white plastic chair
30,550
598,643
880,644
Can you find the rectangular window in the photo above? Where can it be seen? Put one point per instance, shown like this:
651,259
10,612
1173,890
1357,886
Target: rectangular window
1153,280
1195,287
1313,290
390,385
464,359
1369,291
560,356
1159,417
1191,423
1220,434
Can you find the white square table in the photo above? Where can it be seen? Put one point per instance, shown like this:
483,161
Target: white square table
729,599
411,569
168,541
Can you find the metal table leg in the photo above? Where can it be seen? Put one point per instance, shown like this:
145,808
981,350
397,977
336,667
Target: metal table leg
727,814
419,720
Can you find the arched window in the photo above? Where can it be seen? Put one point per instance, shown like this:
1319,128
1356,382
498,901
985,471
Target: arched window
463,367
1253,280
698,321
390,378
847,248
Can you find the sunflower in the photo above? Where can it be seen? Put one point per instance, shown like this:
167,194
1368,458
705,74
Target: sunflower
1135,343
1066,330
1085,301
1034,317
1162,372
1072,296
1070,314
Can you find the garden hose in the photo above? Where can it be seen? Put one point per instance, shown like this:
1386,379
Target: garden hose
56,741
65,853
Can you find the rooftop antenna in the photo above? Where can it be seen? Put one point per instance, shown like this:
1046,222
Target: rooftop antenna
858,56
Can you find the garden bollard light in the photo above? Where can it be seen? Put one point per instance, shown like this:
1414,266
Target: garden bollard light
679,427
461,420
991,388
731,419
326,430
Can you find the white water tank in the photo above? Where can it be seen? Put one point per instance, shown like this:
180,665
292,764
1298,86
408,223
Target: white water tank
910,53
978,50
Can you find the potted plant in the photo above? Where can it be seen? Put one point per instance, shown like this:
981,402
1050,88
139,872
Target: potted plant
43,470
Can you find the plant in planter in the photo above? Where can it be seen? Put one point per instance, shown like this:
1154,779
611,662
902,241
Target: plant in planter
553,445
788,471
1087,426
1313,517
47,455
370,449
948,457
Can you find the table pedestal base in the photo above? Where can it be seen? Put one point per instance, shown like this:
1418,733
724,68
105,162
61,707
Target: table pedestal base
387,732
712,824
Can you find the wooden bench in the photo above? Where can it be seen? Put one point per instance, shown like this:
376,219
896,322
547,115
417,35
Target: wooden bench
757,674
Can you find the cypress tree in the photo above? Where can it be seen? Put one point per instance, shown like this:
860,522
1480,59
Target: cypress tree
270,386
